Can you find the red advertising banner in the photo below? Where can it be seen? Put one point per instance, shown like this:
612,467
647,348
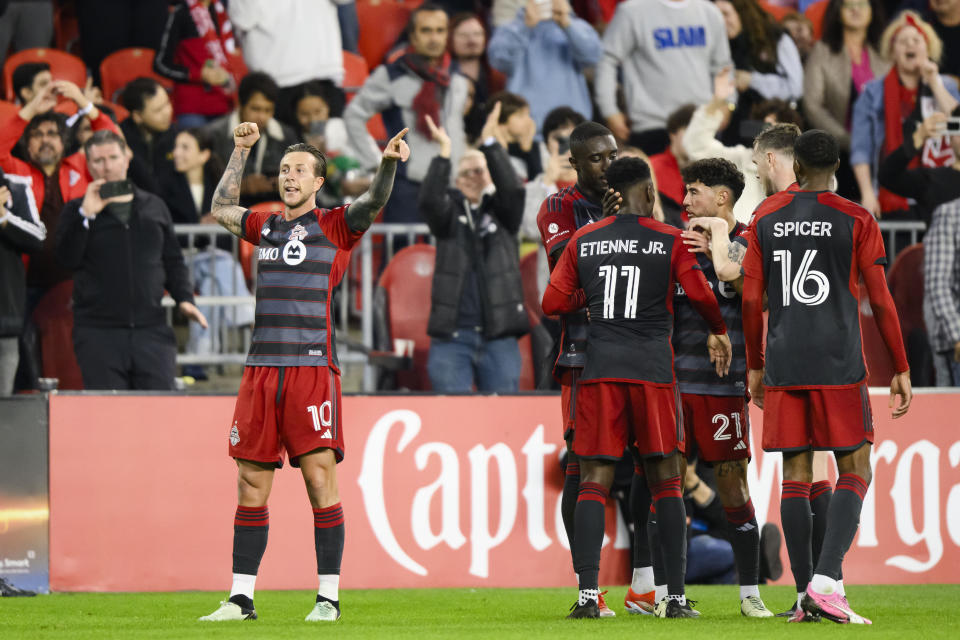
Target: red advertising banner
437,492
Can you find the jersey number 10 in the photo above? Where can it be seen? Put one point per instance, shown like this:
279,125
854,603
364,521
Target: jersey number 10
797,284
609,274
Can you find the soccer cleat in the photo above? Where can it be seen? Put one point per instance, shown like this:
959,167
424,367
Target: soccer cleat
799,615
587,610
230,611
832,607
670,608
324,611
753,607
605,611
640,603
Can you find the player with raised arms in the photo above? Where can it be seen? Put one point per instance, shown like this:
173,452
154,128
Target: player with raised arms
624,269
289,398
807,250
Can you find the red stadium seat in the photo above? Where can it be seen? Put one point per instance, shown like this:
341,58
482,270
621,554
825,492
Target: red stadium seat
815,13
775,11
407,281
120,67
380,26
63,66
879,365
355,72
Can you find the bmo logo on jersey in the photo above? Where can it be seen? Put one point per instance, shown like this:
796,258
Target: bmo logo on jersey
294,252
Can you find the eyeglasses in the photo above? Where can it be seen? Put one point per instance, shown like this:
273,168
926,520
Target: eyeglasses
474,172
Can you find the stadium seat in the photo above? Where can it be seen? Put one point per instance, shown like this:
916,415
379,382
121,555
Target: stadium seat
815,13
777,12
355,72
905,280
380,26
68,108
404,290
7,109
66,29
879,365
63,66
120,67
53,318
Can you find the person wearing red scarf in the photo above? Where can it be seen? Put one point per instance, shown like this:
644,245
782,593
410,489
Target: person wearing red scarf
912,85
197,53
406,90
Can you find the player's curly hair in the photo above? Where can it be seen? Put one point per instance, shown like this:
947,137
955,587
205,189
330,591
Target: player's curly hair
715,172
817,149
319,160
626,172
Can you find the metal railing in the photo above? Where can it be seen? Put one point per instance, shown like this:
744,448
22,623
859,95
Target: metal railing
894,229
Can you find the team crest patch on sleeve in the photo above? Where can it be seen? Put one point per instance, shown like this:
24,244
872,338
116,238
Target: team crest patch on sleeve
234,434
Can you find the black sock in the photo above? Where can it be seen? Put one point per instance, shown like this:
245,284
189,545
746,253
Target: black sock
656,553
745,540
796,520
568,499
820,494
250,527
640,510
672,525
842,523
328,539
590,521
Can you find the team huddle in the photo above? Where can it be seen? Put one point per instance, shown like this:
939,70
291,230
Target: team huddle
671,354
660,352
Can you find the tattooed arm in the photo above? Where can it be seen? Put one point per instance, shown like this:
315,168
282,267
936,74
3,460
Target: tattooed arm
361,213
226,207
727,256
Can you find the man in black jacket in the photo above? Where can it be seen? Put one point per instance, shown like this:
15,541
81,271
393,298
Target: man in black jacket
123,252
149,132
476,304
20,232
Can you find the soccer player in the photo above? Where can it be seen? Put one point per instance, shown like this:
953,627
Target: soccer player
289,397
715,409
592,150
623,269
773,156
807,250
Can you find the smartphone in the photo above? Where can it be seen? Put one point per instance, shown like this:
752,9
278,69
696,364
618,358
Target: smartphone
116,188
563,145
952,127
545,9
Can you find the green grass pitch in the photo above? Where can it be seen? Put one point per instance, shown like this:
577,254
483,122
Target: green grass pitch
925,611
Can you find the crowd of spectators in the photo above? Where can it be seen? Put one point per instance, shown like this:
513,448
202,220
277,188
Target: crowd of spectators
490,90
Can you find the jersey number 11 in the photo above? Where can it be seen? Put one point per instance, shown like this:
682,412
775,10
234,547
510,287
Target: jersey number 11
609,274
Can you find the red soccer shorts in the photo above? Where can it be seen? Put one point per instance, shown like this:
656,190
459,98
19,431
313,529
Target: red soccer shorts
292,409
829,419
719,425
611,414
569,380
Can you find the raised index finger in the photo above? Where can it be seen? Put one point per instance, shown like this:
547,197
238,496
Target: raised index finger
400,135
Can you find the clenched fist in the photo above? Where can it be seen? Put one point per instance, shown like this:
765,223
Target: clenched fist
246,134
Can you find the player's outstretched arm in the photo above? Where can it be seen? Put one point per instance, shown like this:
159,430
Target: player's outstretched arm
363,211
226,207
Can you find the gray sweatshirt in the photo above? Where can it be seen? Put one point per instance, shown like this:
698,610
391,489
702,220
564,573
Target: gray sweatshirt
669,51
390,90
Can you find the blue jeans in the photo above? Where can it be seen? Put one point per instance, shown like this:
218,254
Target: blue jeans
455,365
710,561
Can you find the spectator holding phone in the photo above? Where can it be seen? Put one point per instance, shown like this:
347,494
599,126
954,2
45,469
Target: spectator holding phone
544,52
119,242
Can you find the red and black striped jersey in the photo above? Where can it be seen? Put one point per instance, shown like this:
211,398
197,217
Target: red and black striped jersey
300,262
807,250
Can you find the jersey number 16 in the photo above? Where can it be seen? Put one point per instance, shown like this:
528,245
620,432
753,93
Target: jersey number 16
797,284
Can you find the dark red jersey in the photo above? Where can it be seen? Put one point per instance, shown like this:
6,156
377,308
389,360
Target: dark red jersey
300,262
807,251
624,269
561,214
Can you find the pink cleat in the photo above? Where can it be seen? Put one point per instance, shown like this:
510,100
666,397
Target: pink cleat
799,615
831,606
